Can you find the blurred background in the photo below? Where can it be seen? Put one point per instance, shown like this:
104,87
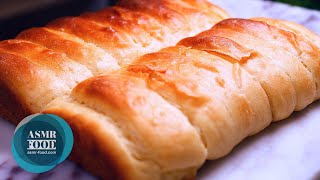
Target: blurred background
312,4
16,15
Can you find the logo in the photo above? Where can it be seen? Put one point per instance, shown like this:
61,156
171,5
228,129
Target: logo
40,142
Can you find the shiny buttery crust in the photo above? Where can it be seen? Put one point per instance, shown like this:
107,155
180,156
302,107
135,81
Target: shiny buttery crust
173,109
291,55
47,62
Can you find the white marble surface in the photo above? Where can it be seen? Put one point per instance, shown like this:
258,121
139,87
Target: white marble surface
287,150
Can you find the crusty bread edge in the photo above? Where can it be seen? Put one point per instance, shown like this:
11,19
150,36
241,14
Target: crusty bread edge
101,165
11,108
13,111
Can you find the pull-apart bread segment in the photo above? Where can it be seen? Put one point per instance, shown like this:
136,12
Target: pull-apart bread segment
31,76
47,62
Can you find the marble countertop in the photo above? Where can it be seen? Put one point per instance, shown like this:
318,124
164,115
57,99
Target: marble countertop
286,150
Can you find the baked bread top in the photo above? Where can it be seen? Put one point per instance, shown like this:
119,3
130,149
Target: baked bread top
47,62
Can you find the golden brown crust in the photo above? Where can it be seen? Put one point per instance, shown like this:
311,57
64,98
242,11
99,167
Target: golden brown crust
219,46
95,59
134,27
11,108
71,49
118,17
275,44
293,27
266,72
160,10
64,68
115,42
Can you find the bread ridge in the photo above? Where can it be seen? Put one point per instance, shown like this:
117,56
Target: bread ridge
226,89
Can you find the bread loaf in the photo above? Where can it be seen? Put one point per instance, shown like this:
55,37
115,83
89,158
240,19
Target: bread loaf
162,116
47,62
